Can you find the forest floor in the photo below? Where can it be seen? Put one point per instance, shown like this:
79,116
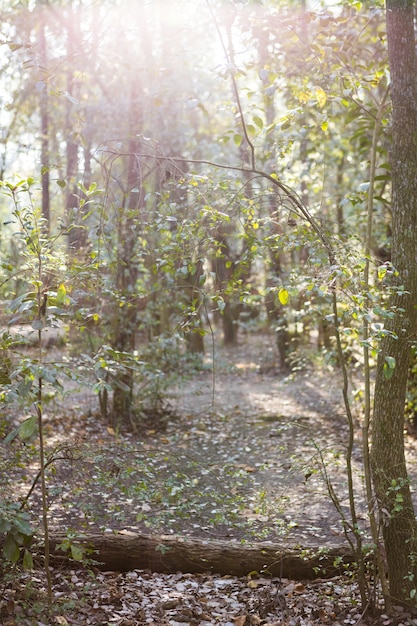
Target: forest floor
247,454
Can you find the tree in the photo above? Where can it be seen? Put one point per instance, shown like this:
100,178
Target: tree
44,119
388,461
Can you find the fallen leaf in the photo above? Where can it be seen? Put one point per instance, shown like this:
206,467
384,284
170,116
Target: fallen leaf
246,468
299,588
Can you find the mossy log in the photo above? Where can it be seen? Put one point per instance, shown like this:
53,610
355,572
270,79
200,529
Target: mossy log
126,550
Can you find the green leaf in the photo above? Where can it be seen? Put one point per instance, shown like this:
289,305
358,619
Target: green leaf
382,271
61,183
237,139
258,121
22,526
389,367
24,387
77,552
11,549
27,560
283,296
28,427
11,436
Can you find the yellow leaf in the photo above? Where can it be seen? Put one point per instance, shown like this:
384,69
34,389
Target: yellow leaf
321,97
303,96
283,296
61,293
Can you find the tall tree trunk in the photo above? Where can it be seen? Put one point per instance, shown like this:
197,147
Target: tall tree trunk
388,461
128,230
76,238
276,273
127,271
46,202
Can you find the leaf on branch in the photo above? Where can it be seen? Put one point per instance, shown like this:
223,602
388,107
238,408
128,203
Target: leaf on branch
61,295
389,367
258,121
237,139
77,552
27,560
382,271
11,436
27,428
321,97
221,304
283,296
11,549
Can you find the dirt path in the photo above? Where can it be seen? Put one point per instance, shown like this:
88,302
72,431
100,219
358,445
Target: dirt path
244,459
283,430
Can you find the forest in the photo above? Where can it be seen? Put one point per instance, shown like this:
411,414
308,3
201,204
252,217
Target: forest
208,310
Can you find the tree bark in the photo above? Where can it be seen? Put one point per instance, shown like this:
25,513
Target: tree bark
387,456
44,114
166,553
77,235
124,339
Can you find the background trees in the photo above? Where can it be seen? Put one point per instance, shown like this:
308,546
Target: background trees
209,161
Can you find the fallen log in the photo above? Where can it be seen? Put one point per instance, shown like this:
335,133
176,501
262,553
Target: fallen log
124,551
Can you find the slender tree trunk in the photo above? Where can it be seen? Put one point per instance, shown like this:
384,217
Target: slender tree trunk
127,273
76,238
128,231
46,202
387,456
276,267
